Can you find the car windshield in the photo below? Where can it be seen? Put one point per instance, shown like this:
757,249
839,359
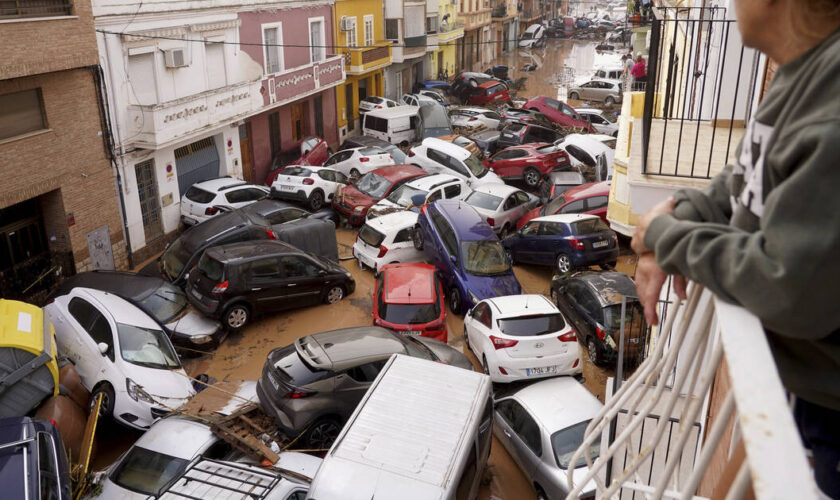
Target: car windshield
554,205
609,117
403,194
146,471
565,442
527,35
634,318
146,347
165,303
407,314
371,236
476,167
373,185
174,259
484,258
483,200
527,326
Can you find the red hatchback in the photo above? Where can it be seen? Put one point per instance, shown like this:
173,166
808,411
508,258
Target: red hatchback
487,92
409,300
312,151
354,201
529,162
558,112
591,198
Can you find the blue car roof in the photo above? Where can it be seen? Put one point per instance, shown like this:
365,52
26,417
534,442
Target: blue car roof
468,225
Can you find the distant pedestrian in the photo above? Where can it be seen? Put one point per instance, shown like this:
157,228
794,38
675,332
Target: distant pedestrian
639,73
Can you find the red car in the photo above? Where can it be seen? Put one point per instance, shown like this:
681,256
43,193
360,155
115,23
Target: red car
354,201
591,198
409,299
487,92
312,151
558,112
529,162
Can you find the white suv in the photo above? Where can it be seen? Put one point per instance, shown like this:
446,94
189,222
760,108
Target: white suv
438,156
314,186
387,239
356,162
205,199
431,187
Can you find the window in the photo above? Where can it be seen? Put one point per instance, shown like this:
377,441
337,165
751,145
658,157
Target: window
552,229
93,322
403,236
21,113
551,103
531,229
597,202
285,215
272,38
521,423
48,467
573,207
296,266
452,191
482,314
568,112
366,373
510,203
274,133
264,269
317,49
376,123
245,195
351,37
214,54
369,39
392,29
431,24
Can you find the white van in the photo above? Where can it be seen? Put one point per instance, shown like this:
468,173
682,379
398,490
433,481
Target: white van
422,431
399,125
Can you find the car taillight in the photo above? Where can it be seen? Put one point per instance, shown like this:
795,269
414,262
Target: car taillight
500,343
364,159
576,243
221,288
411,153
211,210
502,370
379,107
472,119
309,181
298,394
601,333
568,337
382,251
271,234
576,363
491,221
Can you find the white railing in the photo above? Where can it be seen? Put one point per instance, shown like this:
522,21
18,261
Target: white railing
673,385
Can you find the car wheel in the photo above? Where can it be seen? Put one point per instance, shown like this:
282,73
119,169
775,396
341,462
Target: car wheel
322,433
564,263
532,177
484,366
574,95
466,338
455,301
316,200
334,294
594,352
608,266
417,238
609,101
106,409
237,316
540,493
354,172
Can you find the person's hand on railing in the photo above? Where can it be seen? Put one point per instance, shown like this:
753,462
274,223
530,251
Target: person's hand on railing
649,280
665,207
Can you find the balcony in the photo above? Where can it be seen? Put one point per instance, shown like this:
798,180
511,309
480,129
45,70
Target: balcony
476,19
704,416
35,8
413,46
450,31
360,60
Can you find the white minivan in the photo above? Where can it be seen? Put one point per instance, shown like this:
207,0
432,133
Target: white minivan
399,125
422,431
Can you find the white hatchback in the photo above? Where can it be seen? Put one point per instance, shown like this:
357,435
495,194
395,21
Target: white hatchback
372,102
386,240
438,156
600,120
519,337
432,187
121,353
356,162
501,206
314,186
205,199
474,117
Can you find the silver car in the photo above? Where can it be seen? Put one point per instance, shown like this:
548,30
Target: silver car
541,426
606,91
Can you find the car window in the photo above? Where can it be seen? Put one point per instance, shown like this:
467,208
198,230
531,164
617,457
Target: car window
551,103
434,195
595,119
450,241
367,372
199,195
597,202
146,471
338,157
492,115
532,228
327,175
585,299
483,315
580,155
404,235
48,467
376,123
96,324
573,207
437,156
526,428
452,191
295,266
297,495
339,177
510,203
552,229
567,441
245,195
286,215
267,268
569,112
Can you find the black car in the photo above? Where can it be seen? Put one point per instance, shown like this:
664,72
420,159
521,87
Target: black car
33,463
361,141
280,212
238,281
515,115
158,298
515,134
591,301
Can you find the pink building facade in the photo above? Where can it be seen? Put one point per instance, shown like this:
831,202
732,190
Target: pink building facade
298,83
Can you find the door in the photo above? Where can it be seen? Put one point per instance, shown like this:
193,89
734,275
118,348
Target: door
521,433
91,328
245,151
352,384
298,112
349,107
238,198
527,243
147,192
302,279
549,243
264,284
196,162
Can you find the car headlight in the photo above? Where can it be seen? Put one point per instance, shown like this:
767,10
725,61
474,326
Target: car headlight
358,209
473,297
201,339
136,392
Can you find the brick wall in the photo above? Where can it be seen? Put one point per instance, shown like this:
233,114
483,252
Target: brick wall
67,161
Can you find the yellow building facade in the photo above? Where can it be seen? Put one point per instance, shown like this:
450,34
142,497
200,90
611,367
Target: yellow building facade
450,32
360,37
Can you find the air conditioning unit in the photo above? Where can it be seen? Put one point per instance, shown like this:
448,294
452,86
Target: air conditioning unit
175,58
348,23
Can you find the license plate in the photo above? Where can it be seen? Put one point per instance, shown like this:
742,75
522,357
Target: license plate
543,370
195,293
286,188
413,332
599,244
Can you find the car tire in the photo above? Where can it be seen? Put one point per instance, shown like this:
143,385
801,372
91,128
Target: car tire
322,433
532,177
484,368
467,338
236,316
417,238
609,101
574,95
563,264
334,294
316,200
540,493
354,173
454,299
608,266
594,352
107,407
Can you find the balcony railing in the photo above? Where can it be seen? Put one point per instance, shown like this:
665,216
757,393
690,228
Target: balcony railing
358,60
11,9
699,92
654,440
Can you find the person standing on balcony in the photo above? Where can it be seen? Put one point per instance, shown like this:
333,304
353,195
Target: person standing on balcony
765,233
639,73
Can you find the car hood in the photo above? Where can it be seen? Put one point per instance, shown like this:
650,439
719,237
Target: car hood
193,324
487,287
446,353
169,387
355,198
489,178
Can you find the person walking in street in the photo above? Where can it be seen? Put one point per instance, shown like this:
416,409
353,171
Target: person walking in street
765,232
639,73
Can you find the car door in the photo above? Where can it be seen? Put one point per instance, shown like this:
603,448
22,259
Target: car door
352,384
264,284
238,198
91,327
337,161
480,323
583,308
508,163
550,243
303,279
526,243
521,434
455,191
597,205
329,182
443,244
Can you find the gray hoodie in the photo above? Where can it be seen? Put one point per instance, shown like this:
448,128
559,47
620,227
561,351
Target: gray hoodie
765,233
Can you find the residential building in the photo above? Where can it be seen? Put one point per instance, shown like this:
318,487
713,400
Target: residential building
59,210
505,28
450,40
479,48
531,12
405,28
430,64
360,38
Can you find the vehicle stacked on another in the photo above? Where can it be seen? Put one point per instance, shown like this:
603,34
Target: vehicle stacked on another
353,202
205,199
501,206
387,239
309,151
591,198
437,156
530,163
409,299
431,187
558,112
472,117
355,162
314,186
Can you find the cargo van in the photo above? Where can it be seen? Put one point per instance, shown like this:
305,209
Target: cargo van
422,431
399,125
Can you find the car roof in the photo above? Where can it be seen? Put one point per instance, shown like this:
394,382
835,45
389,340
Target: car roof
490,83
348,347
609,286
431,181
178,437
134,286
250,249
589,111
466,222
447,147
219,184
586,190
558,402
267,206
521,305
396,173
123,310
367,140
496,189
474,109
565,218
393,221
409,283
199,234
395,112
13,473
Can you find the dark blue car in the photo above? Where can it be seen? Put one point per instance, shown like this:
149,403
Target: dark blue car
32,460
435,84
472,262
565,241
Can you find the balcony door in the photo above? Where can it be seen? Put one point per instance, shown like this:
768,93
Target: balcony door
147,192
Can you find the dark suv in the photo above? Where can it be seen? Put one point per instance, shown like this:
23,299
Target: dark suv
515,134
237,281
32,460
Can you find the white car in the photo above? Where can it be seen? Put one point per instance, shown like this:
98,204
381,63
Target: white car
419,100
474,117
375,102
600,120
386,240
583,150
542,425
437,156
121,353
356,162
534,36
432,187
518,337
501,205
314,186
434,94
206,199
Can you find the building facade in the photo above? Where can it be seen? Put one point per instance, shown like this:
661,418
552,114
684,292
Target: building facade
505,27
406,28
450,39
59,210
479,47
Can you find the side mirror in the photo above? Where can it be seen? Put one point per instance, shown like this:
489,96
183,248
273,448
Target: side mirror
103,348
453,259
322,273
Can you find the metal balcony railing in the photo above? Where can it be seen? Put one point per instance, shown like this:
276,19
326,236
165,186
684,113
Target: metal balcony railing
10,9
655,441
